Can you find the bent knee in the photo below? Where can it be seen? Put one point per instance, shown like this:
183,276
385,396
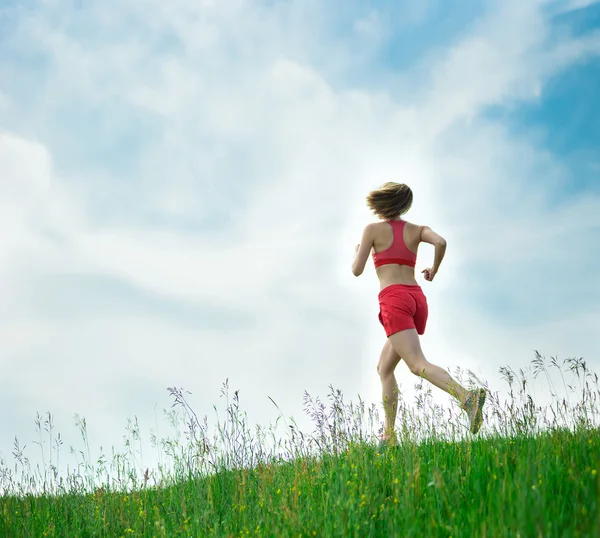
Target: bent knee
417,365
384,370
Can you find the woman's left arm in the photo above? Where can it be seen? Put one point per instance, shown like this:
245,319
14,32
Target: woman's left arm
362,250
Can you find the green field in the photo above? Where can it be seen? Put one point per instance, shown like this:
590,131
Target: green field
532,472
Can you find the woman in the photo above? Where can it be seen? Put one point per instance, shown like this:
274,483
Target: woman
403,306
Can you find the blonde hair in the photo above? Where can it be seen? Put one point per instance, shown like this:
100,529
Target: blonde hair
391,200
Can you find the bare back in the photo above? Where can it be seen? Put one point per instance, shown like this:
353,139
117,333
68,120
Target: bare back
382,240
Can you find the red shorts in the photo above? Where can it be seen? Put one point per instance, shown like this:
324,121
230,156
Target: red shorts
402,307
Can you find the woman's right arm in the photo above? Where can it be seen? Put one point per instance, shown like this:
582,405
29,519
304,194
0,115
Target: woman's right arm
429,236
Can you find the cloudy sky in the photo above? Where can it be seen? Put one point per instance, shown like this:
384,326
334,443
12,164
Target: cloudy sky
182,186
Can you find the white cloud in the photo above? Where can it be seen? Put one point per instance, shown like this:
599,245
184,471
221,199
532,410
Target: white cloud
249,129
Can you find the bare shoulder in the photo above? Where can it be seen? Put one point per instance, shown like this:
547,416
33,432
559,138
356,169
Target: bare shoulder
413,230
371,231
427,235
380,233
412,234
377,227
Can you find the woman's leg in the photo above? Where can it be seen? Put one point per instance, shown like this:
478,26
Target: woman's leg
407,345
388,361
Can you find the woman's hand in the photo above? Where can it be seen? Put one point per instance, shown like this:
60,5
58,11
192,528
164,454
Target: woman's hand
429,273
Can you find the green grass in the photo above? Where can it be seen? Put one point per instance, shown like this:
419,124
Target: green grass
533,472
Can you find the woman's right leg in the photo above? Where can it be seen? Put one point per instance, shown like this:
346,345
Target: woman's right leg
407,345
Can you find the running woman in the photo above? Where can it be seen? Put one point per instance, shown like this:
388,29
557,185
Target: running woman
402,304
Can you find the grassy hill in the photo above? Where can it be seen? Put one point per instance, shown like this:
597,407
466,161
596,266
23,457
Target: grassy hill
534,472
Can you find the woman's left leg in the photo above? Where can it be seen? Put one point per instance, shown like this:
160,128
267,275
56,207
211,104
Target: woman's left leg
388,361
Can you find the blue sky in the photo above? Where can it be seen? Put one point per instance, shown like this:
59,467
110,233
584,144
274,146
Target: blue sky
182,186
566,117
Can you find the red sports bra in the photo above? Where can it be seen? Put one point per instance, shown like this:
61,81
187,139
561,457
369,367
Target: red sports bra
398,252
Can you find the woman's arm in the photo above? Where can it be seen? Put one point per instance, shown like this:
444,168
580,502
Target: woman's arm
362,250
429,236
